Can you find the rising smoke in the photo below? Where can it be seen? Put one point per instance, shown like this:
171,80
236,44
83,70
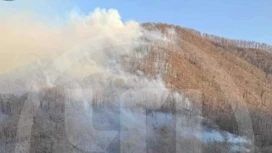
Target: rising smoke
88,56
85,55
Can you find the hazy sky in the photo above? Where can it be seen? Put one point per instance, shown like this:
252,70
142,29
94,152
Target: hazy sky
240,19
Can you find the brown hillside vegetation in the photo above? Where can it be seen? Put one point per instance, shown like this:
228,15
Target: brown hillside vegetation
231,79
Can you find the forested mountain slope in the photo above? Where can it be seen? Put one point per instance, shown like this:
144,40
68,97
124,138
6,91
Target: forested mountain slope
232,76
230,81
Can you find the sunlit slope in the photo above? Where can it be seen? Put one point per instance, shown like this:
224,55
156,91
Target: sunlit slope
231,79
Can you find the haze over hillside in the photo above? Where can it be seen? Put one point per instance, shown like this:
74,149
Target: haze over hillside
175,89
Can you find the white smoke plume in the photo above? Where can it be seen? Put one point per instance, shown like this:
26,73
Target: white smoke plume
85,55
81,46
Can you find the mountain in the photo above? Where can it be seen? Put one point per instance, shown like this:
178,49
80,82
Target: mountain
223,85
232,76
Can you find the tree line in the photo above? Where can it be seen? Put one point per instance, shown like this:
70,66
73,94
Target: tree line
234,42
